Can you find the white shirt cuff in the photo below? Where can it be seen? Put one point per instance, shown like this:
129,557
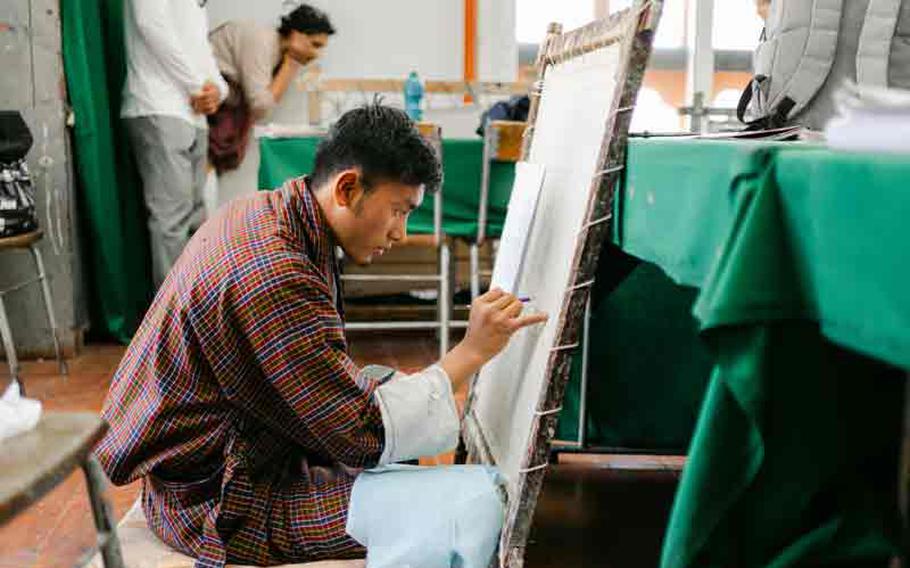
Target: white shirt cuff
418,414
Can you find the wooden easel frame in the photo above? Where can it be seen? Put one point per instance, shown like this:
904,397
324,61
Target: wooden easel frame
557,48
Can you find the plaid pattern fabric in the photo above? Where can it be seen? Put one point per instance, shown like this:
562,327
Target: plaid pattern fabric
237,402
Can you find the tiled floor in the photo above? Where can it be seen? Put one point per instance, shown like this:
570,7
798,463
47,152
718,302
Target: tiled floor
590,514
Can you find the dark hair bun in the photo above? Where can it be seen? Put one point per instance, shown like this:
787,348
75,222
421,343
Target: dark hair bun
306,19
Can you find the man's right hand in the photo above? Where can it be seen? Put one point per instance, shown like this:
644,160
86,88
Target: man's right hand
288,60
495,317
207,100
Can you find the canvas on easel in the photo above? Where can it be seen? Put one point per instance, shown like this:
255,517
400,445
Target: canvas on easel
579,118
513,243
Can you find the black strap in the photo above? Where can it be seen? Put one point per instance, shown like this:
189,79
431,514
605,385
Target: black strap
777,119
783,111
746,97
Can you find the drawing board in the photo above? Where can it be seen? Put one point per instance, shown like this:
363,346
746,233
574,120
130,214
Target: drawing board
577,128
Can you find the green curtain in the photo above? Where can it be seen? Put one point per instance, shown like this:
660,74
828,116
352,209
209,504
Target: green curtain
113,223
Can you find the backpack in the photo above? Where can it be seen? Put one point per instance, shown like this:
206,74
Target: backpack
516,108
810,48
17,195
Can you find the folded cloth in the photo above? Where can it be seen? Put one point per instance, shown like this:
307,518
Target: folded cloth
17,413
427,517
871,119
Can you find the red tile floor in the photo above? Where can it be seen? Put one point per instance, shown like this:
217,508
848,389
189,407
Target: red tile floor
593,511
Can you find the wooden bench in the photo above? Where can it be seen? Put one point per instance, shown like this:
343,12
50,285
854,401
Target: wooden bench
34,462
142,549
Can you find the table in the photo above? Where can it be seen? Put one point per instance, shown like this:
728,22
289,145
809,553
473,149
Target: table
34,462
284,158
801,260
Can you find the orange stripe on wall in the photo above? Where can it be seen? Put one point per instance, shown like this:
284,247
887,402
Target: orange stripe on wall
470,44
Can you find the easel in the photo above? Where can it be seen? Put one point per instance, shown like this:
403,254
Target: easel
633,33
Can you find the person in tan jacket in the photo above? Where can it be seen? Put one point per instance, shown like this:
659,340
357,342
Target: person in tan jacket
263,61
259,63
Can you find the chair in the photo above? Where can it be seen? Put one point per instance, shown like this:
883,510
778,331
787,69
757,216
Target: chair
441,277
28,241
34,462
502,142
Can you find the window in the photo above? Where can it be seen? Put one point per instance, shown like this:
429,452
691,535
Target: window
737,25
653,113
533,16
671,31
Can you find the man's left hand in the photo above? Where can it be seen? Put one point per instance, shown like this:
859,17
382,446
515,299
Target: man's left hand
207,100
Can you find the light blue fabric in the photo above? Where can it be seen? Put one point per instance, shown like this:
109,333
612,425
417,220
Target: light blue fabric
427,517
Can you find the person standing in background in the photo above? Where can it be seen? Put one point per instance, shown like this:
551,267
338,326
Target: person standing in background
258,63
172,83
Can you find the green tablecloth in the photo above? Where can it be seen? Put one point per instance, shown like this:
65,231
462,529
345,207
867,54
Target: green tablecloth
801,258
830,242
284,158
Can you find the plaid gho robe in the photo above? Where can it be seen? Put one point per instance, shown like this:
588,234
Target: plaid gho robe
237,402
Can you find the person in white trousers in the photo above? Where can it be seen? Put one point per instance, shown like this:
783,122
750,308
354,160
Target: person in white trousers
172,83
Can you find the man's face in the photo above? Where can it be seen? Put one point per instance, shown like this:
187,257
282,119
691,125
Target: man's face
305,48
763,7
370,222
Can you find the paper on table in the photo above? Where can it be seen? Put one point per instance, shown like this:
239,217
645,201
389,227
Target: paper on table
286,130
518,225
17,413
871,119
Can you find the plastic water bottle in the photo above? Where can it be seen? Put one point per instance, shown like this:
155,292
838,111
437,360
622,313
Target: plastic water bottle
413,95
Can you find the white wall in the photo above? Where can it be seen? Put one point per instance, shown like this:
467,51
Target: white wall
263,11
389,38
497,46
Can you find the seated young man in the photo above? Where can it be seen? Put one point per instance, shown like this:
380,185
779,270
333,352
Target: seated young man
237,402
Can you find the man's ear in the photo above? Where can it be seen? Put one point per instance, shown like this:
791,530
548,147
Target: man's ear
347,189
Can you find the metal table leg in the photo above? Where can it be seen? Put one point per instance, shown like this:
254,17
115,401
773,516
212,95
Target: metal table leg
49,306
583,390
903,487
445,297
6,335
101,511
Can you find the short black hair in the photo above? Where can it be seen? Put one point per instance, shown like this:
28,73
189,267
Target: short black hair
384,143
306,19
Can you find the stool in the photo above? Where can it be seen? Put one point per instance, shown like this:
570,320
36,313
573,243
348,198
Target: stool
28,241
142,549
34,462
